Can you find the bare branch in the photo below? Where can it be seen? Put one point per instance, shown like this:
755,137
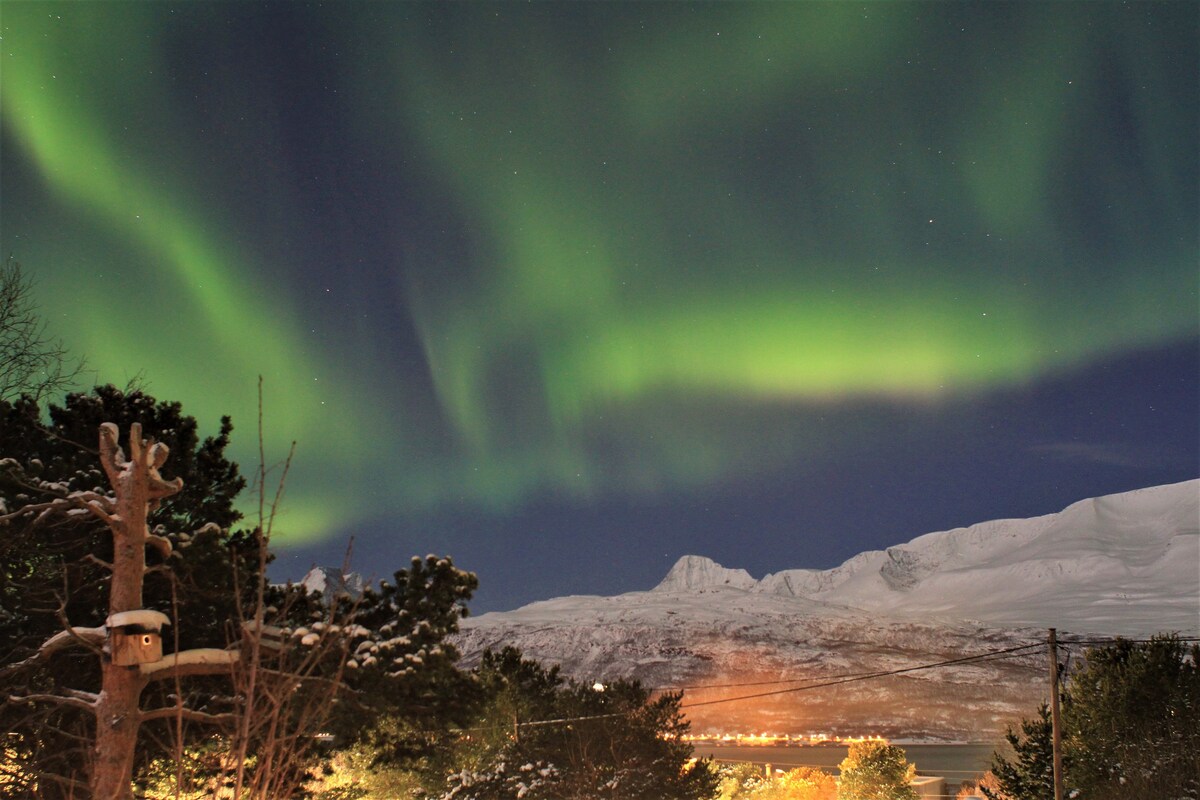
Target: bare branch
91,638
31,363
93,558
70,783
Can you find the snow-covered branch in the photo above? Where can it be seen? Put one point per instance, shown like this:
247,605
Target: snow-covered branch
79,694
112,457
70,637
201,661
160,543
74,702
100,506
190,714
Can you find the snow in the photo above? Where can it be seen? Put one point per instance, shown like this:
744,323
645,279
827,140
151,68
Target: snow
331,582
1122,564
67,638
205,656
142,617
698,572
1126,564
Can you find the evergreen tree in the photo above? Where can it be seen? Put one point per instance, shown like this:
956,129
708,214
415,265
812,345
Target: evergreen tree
1131,729
402,671
52,569
540,736
1132,721
384,653
876,771
1030,776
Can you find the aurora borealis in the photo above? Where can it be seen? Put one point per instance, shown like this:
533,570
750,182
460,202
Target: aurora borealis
577,288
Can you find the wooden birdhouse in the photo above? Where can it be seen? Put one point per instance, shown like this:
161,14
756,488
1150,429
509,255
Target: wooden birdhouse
135,637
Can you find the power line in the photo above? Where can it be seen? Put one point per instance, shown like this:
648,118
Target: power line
701,687
1009,652
1120,639
1062,643
825,681
757,683
839,679
835,676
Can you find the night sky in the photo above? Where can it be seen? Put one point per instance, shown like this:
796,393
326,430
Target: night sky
570,290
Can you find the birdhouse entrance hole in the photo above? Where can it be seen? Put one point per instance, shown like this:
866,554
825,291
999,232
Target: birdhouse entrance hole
134,637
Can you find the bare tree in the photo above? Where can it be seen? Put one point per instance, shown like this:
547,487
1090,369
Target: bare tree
128,646
31,361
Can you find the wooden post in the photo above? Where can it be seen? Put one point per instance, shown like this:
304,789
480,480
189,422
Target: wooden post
1055,724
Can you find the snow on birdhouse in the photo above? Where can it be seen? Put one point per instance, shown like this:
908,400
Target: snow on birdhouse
135,637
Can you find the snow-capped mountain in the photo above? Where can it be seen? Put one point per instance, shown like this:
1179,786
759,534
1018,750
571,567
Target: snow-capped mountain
330,582
1126,564
698,572
1122,564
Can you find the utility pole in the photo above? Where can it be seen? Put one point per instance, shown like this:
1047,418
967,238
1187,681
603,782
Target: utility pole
1055,724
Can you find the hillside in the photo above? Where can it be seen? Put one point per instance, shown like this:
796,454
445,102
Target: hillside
1126,564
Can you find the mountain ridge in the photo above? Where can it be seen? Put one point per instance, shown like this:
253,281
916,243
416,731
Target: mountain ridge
1153,530
1124,564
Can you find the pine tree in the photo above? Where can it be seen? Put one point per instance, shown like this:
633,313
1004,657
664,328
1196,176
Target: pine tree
613,742
1132,720
1031,775
55,568
67,555
1131,728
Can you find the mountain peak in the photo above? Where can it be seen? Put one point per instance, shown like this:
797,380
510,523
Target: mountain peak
330,582
697,572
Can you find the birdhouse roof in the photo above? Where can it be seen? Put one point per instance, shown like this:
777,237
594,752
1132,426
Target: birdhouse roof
142,617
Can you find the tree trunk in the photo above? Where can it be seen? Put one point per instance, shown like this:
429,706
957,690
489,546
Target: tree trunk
117,722
138,488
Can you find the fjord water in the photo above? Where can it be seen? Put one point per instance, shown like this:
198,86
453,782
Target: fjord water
955,762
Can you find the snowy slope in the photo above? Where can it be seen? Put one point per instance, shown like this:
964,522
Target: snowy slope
1125,564
1122,564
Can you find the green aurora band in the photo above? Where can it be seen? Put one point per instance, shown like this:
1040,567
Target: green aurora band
683,222
192,316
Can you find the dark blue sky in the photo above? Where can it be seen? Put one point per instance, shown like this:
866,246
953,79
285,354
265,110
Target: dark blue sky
570,290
